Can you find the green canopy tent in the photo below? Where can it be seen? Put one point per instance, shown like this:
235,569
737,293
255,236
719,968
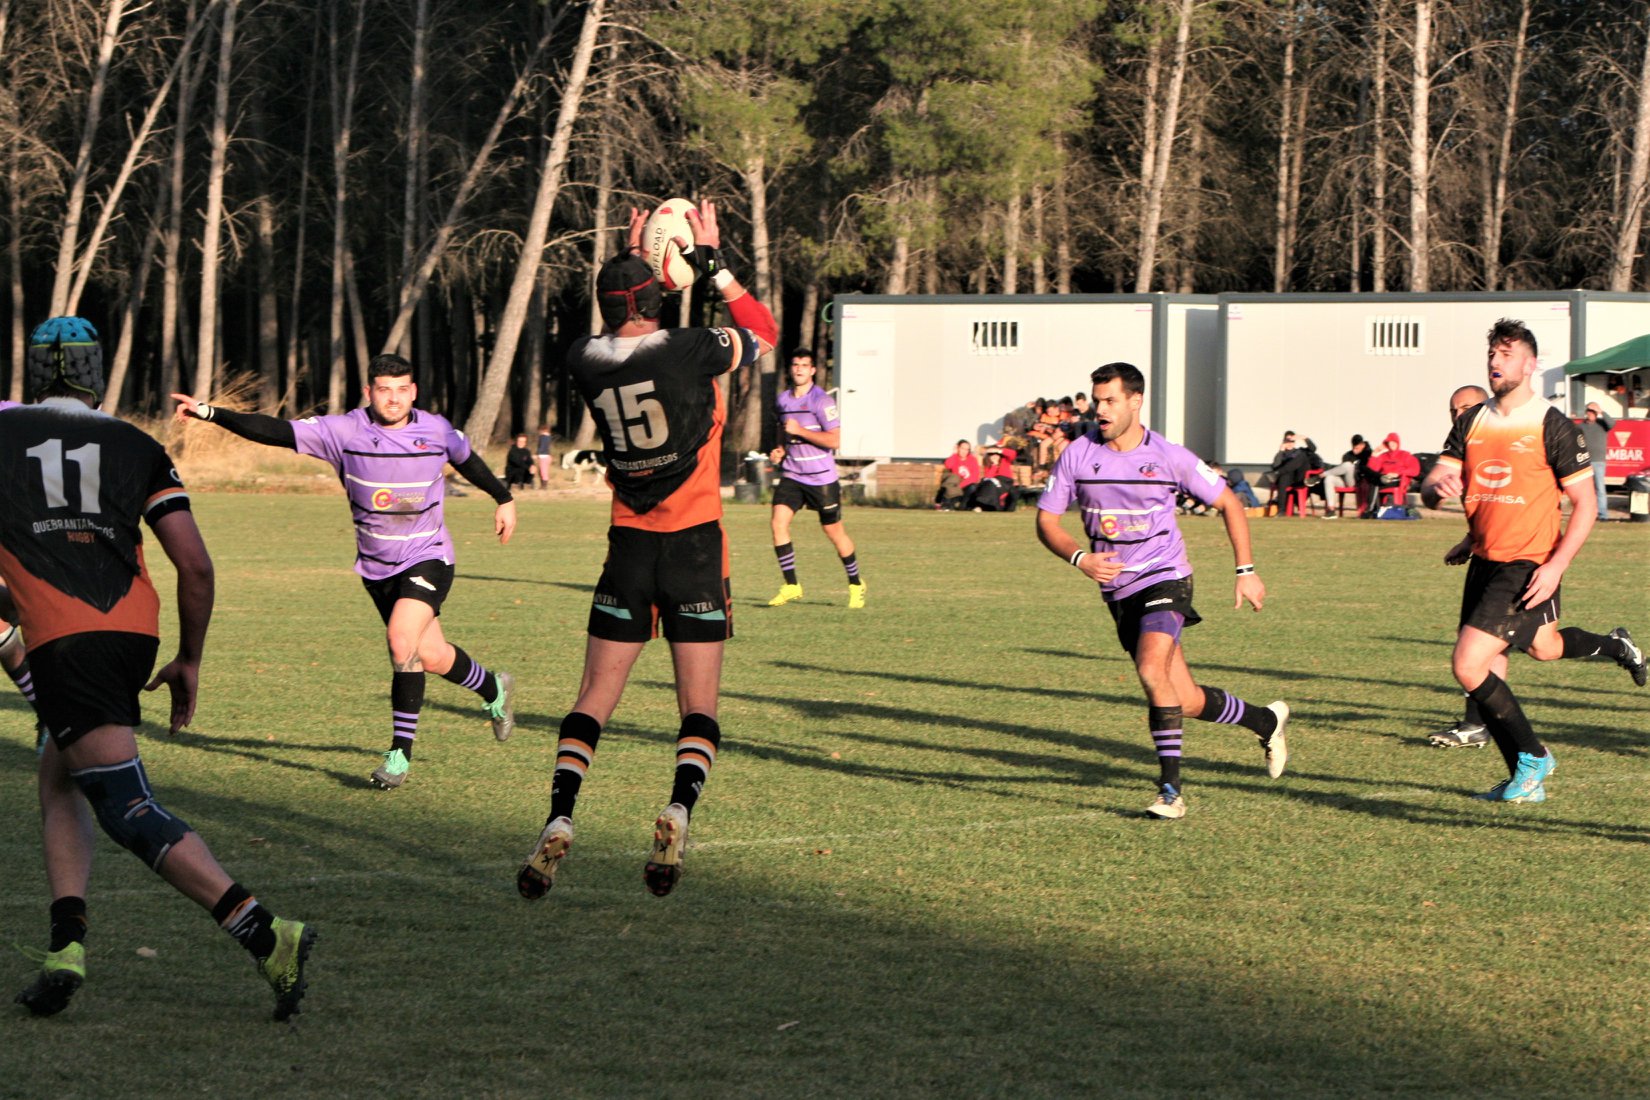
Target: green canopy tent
1632,355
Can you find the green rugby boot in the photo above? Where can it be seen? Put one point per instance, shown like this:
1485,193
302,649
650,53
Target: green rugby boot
284,968
392,772
61,973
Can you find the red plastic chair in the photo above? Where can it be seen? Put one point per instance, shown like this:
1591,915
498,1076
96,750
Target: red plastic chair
1298,500
1394,495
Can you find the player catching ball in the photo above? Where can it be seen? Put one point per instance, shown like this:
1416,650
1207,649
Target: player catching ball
1124,479
659,408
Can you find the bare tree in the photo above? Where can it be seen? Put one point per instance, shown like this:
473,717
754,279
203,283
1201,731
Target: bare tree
1630,216
1157,185
496,376
1420,146
68,239
206,355
342,91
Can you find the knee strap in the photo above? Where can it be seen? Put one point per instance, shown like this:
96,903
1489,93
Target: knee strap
127,810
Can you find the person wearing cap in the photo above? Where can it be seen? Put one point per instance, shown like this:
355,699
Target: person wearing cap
1393,468
1352,468
811,427
994,491
392,458
659,405
79,482
1595,429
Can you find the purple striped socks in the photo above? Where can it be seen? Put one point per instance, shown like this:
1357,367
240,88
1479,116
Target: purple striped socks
406,700
787,561
1228,710
467,673
850,565
1166,724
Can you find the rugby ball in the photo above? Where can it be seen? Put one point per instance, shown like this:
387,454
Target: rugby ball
664,226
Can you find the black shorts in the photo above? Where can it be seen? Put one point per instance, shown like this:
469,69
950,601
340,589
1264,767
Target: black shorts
426,582
84,681
1131,613
824,499
677,579
1493,601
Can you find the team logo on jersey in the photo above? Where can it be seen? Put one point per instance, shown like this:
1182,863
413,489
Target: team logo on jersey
1108,526
421,443
382,498
1522,445
1149,469
1493,473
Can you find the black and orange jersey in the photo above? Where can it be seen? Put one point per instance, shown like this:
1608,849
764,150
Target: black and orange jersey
1514,468
660,412
77,481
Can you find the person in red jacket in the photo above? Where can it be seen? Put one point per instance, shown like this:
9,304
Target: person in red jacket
962,471
1394,468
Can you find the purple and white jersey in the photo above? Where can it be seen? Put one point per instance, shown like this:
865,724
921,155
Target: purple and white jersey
1128,504
394,482
815,411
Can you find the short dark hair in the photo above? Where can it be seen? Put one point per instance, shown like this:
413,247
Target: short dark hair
1507,330
1133,381
387,366
801,353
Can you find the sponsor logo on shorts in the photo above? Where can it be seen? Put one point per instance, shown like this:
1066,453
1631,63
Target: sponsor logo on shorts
1493,473
422,583
382,498
1159,603
698,608
605,599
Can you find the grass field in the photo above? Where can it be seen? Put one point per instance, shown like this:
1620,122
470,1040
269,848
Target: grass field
919,868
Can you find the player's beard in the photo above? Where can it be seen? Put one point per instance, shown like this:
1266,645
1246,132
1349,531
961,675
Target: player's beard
1110,433
1504,385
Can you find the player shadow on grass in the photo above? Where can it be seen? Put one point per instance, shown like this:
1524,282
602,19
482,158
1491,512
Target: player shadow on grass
274,753
524,580
1126,699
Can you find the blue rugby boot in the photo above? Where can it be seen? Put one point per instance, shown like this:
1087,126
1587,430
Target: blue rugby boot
1526,781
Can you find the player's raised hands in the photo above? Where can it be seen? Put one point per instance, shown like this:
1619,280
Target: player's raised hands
638,219
705,229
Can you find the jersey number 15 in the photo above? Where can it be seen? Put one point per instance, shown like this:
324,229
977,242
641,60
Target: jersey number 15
633,419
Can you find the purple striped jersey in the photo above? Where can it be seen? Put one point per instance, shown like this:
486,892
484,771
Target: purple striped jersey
1128,503
394,480
815,411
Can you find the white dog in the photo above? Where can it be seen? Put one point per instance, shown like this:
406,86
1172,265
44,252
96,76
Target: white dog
580,461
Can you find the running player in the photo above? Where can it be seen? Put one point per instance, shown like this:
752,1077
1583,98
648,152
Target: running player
660,410
1523,456
390,458
1124,479
78,481
812,430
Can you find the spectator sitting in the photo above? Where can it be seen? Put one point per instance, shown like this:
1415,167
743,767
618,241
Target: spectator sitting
1351,471
1083,409
994,492
518,464
1290,466
962,472
1238,482
1394,468
1043,433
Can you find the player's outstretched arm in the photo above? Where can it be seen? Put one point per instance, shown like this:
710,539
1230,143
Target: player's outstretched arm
271,431
1249,586
182,541
743,307
474,470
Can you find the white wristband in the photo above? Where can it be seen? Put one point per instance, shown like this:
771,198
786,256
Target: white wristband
203,410
1245,570
721,278
1077,557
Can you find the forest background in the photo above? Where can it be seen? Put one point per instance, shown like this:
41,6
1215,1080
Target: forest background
252,197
